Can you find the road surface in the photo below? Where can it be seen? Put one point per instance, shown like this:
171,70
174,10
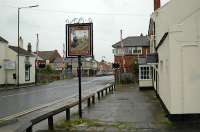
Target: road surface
15,101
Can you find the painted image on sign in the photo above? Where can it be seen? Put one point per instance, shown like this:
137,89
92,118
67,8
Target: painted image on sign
79,42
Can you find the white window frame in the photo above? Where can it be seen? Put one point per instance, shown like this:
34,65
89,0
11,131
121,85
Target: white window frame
27,73
145,72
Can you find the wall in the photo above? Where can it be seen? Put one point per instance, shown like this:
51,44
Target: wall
185,47
12,56
164,89
22,70
179,54
130,59
3,47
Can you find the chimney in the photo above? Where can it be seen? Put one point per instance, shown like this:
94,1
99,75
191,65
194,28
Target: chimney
29,47
21,42
156,4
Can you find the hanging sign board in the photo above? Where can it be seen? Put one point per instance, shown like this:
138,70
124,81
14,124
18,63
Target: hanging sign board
79,39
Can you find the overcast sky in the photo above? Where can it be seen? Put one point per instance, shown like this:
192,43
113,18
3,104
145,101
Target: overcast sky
48,20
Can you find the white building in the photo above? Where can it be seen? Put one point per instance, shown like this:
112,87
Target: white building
175,36
8,64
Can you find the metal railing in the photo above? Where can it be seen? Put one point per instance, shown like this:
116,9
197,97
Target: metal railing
88,96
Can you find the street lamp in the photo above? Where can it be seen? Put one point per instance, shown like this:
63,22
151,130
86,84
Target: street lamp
18,11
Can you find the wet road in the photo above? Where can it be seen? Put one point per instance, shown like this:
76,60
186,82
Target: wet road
15,101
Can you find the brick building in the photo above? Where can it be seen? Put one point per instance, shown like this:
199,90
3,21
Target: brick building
134,51
128,53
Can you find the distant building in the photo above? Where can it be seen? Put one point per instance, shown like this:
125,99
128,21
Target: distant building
52,58
104,68
9,63
89,66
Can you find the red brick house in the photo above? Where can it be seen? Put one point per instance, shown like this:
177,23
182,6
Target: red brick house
135,49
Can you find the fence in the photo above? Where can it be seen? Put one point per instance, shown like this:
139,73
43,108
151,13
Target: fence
88,96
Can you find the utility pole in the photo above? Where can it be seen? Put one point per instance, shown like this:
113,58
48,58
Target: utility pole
63,50
123,52
36,64
18,11
18,28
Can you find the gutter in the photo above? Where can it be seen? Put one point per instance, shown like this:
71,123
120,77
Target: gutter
161,41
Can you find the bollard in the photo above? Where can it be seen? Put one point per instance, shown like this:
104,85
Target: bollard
50,122
93,99
30,129
88,102
67,114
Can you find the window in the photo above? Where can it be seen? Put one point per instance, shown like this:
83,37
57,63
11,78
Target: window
145,72
130,51
137,50
27,73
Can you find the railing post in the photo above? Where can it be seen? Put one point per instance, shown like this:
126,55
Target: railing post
30,129
50,122
98,94
88,102
106,91
102,93
93,99
67,114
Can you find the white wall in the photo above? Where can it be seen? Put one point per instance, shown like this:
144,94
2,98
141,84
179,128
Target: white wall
13,57
3,47
22,70
6,76
185,47
179,74
163,70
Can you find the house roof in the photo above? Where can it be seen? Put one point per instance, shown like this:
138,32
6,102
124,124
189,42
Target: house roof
22,52
45,54
50,55
133,41
3,40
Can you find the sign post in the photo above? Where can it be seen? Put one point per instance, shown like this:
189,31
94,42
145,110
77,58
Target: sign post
79,44
79,84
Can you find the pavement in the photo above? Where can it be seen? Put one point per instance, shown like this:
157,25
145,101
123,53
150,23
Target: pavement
127,109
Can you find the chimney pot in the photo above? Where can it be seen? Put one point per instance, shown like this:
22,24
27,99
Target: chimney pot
21,42
156,4
29,47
